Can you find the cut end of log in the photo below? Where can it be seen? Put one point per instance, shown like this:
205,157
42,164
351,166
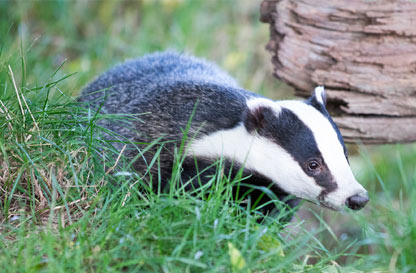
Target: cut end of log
364,53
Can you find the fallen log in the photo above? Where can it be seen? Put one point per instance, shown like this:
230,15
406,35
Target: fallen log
363,52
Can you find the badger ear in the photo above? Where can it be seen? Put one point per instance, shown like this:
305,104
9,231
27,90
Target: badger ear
254,118
320,95
318,98
258,112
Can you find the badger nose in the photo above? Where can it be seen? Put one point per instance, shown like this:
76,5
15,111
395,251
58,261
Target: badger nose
357,201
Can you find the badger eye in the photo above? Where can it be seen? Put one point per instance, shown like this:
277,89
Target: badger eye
313,165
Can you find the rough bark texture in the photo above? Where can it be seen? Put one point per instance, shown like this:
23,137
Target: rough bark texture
363,52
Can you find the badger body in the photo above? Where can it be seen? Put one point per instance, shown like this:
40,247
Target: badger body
292,147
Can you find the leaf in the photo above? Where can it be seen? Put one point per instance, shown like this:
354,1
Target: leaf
237,260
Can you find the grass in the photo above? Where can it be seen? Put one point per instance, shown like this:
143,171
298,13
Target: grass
63,211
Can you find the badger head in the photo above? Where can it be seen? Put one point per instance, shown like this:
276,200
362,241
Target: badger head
299,147
294,144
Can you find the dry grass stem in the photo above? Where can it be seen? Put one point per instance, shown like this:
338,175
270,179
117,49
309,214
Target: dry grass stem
117,160
20,103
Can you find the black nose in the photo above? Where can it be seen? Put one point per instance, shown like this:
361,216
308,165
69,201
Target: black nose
357,202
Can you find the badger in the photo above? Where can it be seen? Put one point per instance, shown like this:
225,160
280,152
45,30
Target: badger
291,147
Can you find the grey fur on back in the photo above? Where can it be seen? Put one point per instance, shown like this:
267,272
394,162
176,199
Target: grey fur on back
166,87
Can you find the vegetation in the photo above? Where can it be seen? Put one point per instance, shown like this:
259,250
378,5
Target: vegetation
70,203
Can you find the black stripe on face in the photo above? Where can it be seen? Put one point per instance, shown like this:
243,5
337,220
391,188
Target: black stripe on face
289,132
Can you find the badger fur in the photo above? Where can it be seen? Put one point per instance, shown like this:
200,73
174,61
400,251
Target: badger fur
292,147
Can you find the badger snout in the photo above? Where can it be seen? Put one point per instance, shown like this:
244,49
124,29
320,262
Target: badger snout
357,201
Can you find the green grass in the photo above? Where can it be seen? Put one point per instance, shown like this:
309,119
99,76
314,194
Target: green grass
62,210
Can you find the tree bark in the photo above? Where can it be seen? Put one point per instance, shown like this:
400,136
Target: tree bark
363,52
